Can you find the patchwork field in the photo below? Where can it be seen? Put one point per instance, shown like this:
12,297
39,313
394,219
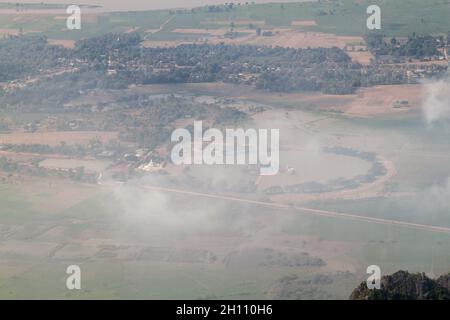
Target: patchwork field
242,246
346,18
364,177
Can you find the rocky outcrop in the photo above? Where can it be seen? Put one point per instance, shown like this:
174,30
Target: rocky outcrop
403,285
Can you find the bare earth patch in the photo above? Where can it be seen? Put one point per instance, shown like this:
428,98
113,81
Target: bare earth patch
213,32
295,39
363,57
69,44
152,30
13,32
304,23
281,37
240,22
90,165
382,100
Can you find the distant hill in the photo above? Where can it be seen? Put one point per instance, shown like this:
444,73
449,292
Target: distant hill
403,285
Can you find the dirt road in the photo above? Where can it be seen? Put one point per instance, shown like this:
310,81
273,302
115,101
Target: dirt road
318,212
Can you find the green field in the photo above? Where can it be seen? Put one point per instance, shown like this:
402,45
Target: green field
391,247
345,17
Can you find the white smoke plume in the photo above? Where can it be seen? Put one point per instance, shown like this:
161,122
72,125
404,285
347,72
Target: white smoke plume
436,105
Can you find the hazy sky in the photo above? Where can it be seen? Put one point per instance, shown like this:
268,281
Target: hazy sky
123,5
